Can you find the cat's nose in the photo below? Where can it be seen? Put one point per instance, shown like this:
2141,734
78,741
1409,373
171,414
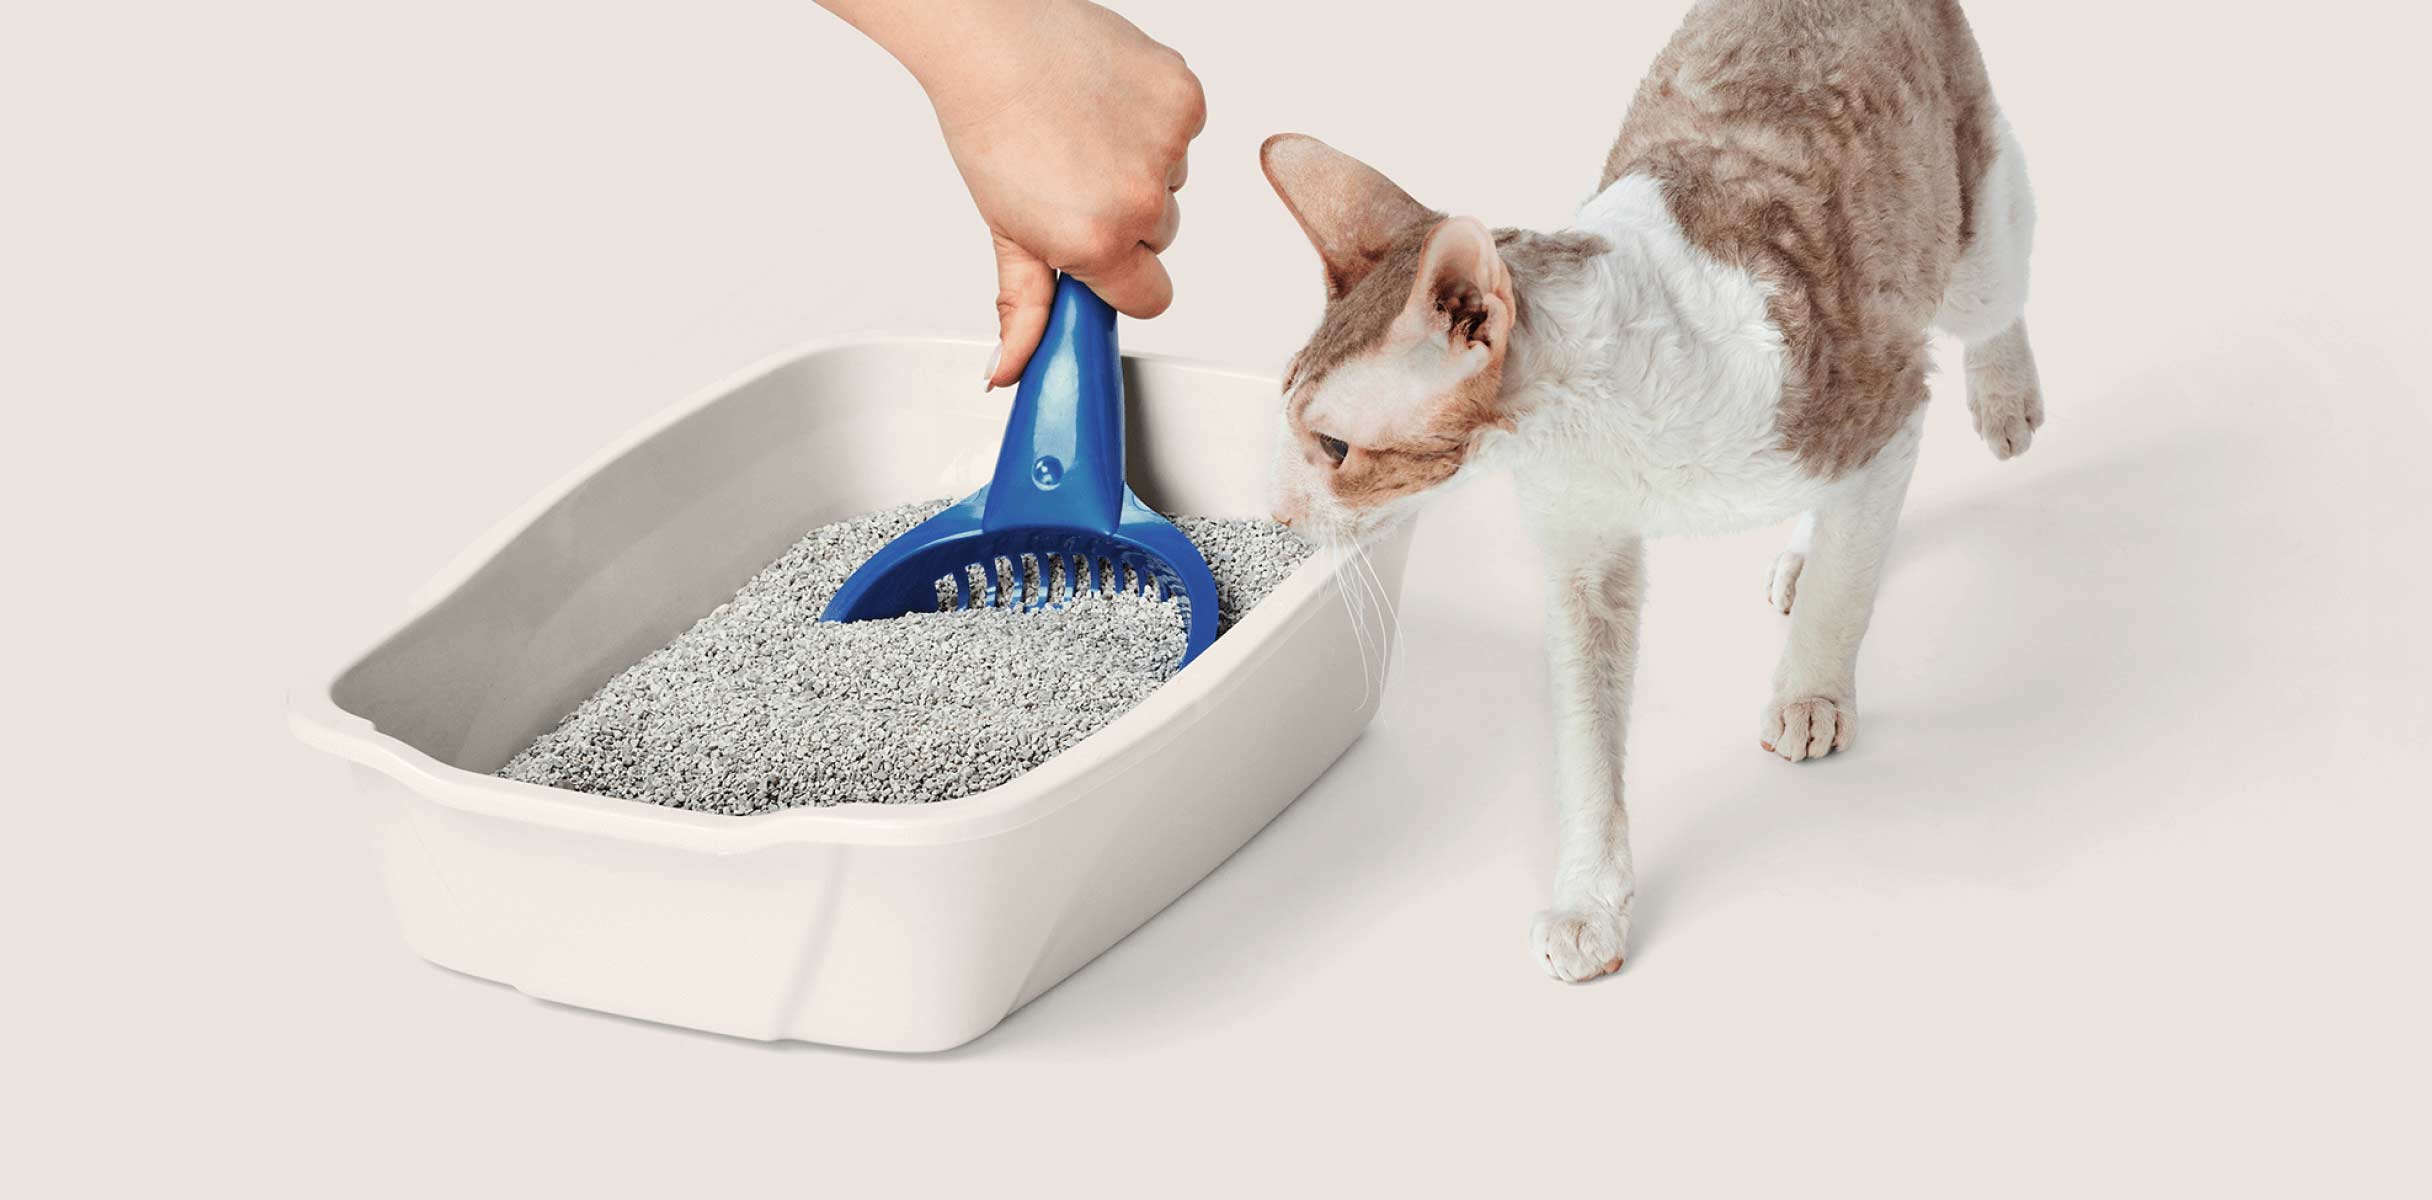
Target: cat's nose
1283,517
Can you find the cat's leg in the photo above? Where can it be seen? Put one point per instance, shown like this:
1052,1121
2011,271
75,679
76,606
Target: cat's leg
1984,304
1814,709
1782,584
1593,593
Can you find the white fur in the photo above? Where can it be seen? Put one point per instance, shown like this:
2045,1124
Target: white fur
1364,401
1647,391
1988,287
1986,298
1593,589
1814,709
1782,583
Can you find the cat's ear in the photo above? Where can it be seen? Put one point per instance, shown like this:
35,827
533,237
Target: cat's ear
1351,213
1462,294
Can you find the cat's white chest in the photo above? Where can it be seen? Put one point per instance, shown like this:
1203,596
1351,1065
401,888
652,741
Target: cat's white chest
1709,471
1663,418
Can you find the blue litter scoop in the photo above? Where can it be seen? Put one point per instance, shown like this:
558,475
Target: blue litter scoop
1056,521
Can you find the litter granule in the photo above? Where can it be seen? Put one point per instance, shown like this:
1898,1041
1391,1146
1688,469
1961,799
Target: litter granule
762,706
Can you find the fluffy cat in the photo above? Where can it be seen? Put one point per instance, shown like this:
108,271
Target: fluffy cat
1733,331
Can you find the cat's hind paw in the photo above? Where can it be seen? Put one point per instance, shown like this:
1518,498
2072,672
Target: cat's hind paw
2007,408
1782,583
1575,944
1808,727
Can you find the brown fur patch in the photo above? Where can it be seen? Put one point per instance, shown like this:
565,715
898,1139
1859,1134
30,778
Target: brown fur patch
1373,476
1355,322
1535,258
1833,148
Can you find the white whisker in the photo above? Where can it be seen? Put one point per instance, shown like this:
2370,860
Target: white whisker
1351,612
1392,619
1353,561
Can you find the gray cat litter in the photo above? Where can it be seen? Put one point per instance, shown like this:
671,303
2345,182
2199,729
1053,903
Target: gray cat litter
761,706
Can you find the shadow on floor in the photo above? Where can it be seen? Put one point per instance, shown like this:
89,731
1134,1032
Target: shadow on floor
2026,643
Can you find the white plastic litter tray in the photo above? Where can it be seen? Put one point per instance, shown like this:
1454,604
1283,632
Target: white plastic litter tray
888,927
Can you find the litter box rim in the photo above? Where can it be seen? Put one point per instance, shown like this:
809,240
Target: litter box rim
1169,712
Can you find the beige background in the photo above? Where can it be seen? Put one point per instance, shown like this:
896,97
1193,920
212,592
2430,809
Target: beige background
2122,893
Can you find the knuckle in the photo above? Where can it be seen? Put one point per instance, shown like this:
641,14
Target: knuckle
1194,102
1181,96
1178,77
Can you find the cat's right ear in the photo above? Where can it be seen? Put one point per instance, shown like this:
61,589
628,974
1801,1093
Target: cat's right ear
1351,213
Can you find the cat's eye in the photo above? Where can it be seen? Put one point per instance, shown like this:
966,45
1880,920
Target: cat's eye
1335,448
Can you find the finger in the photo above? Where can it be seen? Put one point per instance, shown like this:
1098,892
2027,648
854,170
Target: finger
1181,174
1025,288
1169,223
1135,284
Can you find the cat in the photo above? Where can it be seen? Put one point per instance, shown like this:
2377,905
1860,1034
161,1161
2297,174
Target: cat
1733,332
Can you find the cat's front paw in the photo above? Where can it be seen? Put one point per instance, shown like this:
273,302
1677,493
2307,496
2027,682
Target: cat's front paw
1580,943
1808,727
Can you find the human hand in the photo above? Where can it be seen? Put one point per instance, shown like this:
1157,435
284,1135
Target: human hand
1070,127
1072,137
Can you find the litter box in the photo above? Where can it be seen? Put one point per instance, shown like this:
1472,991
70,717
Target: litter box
886,927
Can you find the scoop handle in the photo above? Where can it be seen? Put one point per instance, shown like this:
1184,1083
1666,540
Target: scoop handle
1061,462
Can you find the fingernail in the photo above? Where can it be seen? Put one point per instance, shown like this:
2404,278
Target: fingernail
988,377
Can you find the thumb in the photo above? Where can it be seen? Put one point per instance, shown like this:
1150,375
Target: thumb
1025,288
